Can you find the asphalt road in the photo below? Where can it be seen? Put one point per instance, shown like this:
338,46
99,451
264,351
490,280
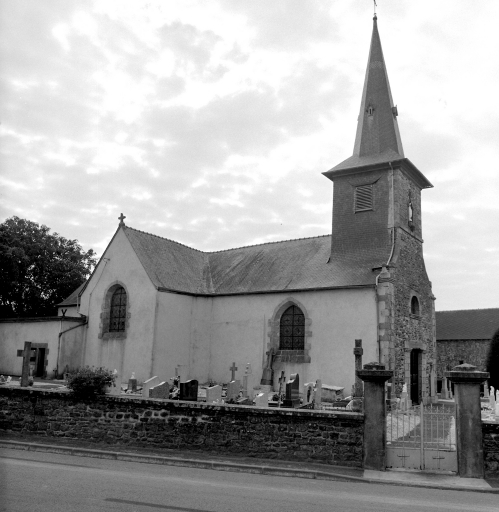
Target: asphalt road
33,481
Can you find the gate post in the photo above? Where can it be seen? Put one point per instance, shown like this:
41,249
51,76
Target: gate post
374,376
467,380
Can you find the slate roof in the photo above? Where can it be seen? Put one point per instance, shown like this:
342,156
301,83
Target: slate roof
467,324
72,300
301,264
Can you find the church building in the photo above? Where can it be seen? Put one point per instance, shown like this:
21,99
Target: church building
296,306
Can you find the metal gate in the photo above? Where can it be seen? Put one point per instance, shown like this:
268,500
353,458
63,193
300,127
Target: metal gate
422,437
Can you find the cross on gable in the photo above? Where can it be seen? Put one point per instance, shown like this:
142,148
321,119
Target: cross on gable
121,219
233,369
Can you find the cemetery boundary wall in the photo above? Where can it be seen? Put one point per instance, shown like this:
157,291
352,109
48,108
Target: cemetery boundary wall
334,438
490,441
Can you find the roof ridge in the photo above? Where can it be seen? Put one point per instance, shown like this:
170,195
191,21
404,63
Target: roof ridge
232,248
268,243
164,238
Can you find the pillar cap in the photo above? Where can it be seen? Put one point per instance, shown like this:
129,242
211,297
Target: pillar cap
374,372
467,373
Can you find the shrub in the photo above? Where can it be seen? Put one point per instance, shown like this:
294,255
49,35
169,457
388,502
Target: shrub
88,382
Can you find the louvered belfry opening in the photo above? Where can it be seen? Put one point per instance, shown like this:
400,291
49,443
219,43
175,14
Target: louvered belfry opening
363,198
292,329
117,317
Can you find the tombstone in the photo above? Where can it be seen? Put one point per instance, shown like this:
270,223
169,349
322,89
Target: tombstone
160,391
26,367
233,370
262,400
233,388
445,389
486,390
132,383
214,394
115,389
308,393
492,399
248,382
318,394
148,384
404,400
181,372
292,391
189,390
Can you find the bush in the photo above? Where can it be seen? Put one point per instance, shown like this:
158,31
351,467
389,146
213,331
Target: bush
88,382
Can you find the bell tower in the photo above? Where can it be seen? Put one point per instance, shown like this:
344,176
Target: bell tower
377,225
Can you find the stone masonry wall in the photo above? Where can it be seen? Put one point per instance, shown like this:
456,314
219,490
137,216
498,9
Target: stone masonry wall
412,331
490,433
305,435
450,352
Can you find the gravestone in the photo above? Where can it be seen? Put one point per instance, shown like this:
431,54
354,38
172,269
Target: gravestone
26,358
233,388
160,391
404,399
189,390
485,390
115,389
132,383
444,393
214,394
233,370
292,391
148,384
262,400
248,382
308,393
318,394
492,399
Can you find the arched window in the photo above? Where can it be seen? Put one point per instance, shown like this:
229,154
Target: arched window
117,314
414,306
292,329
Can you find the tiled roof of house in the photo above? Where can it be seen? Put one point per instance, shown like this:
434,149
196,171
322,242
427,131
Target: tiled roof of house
279,266
467,324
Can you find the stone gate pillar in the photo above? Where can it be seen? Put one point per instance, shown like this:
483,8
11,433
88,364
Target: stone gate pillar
374,376
467,380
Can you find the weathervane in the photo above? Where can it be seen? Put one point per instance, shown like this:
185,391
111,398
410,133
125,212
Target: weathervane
375,5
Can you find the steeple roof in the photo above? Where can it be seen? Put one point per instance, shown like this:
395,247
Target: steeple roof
377,140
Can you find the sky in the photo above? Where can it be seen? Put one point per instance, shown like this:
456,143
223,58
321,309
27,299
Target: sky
210,122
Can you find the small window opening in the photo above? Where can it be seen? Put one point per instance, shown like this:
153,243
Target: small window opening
415,306
370,110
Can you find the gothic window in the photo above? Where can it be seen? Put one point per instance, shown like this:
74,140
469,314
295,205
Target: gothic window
363,198
292,329
117,314
414,306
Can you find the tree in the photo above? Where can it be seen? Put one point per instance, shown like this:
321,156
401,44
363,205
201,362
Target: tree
38,269
493,361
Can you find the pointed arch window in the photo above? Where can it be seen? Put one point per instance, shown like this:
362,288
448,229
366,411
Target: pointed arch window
292,329
118,312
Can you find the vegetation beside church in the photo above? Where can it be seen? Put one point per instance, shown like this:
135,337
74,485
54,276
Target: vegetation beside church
88,382
38,269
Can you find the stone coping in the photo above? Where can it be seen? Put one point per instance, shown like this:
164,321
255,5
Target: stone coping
182,404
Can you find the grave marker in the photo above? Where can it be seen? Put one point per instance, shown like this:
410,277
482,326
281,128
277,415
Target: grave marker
132,383
318,394
189,390
148,384
293,391
248,382
26,358
308,392
262,400
233,370
282,380
233,388
214,394
160,391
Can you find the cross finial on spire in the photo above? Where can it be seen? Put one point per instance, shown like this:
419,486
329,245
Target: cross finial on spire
375,5
121,219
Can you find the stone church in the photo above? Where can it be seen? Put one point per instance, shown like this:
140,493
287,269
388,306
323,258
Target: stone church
295,306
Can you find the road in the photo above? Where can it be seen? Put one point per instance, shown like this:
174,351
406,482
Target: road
50,482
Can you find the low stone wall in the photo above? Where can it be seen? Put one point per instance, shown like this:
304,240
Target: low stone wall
299,435
490,433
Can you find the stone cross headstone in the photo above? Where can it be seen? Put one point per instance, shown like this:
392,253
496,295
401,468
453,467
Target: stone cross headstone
292,391
132,383
116,387
233,370
189,390
445,389
486,390
214,394
248,382
318,394
282,382
308,393
403,404
492,399
148,384
233,388
162,390
358,351
262,400
26,358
